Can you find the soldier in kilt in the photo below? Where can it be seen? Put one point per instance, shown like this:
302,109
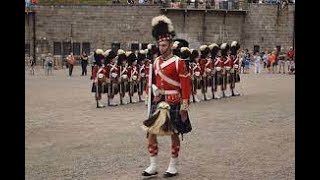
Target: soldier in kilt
195,72
171,92
235,77
99,77
133,76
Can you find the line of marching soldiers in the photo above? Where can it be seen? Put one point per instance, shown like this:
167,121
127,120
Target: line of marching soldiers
214,72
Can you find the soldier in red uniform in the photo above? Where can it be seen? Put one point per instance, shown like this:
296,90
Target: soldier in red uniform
142,80
99,77
113,72
219,74
235,77
228,64
123,77
147,61
213,51
170,103
195,71
224,53
109,56
206,67
133,76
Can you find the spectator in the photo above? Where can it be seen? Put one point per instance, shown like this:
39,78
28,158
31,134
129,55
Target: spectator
272,61
264,59
71,60
257,62
246,61
48,64
84,63
32,63
282,61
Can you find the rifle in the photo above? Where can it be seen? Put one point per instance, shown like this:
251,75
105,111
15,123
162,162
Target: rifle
192,91
109,88
120,85
97,88
213,86
149,90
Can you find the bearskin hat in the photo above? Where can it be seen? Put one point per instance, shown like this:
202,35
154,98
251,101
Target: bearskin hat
204,50
177,45
152,49
235,46
185,53
131,57
141,55
109,54
98,56
214,48
194,54
162,28
224,49
121,56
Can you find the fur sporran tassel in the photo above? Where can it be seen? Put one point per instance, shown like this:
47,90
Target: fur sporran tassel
159,122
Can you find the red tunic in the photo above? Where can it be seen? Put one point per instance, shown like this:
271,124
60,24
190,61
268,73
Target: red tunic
219,62
172,74
228,62
98,70
202,63
113,71
134,72
196,69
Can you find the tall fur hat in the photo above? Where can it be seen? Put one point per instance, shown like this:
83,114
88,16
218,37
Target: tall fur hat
152,49
224,49
98,56
235,46
121,56
141,55
162,28
204,51
131,57
194,54
185,52
214,48
109,54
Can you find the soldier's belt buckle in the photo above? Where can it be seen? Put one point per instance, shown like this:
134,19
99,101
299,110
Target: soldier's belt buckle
172,98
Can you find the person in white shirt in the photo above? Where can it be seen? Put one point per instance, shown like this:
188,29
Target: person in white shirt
257,62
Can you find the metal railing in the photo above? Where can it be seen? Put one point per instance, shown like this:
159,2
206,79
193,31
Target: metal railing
196,4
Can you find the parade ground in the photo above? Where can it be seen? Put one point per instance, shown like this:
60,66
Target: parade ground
249,137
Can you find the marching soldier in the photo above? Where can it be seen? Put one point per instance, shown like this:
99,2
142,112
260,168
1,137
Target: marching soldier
133,76
112,72
206,67
228,64
124,77
219,75
170,103
99,77
235,77
214,48
195,74
142,74
114,76
225,67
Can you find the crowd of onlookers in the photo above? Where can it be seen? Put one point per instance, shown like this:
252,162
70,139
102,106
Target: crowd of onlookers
272,61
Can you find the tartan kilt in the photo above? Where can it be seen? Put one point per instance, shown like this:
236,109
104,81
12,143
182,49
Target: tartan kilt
218,77
102,88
